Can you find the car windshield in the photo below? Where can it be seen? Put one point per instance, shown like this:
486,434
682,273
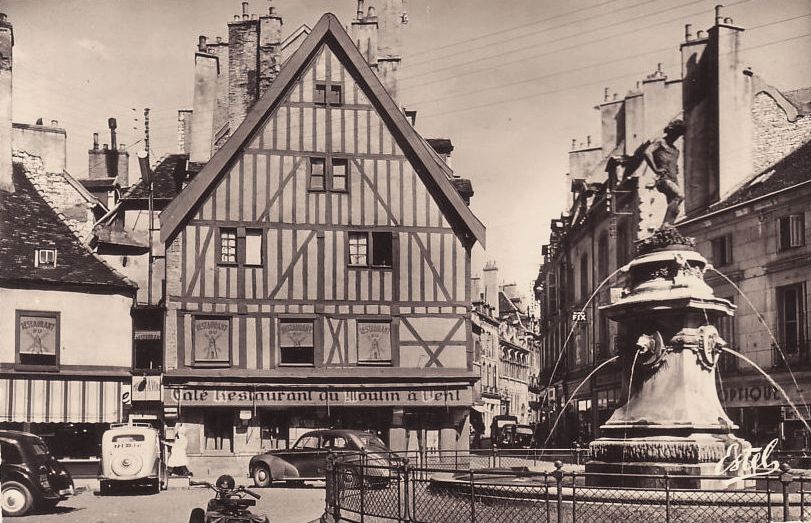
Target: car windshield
370,441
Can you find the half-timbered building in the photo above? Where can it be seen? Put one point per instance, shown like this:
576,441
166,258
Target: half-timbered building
317,271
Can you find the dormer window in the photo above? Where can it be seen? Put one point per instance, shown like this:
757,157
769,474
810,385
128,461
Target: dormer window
45,258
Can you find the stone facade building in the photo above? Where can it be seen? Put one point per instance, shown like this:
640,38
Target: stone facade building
742,165
506,350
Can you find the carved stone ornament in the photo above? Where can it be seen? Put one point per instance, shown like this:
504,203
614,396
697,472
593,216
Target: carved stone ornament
651,350
704,341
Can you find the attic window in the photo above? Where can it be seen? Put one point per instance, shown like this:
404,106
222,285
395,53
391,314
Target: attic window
45,258
327,93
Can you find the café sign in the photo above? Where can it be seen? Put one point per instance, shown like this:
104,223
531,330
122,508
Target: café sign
417,397
146,388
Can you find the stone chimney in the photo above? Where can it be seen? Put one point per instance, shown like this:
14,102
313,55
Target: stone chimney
717,110
391,20
364,32
270,43
612,119
490,278
243,66
734,101
109,162
476,292
206,70
184,119
6,45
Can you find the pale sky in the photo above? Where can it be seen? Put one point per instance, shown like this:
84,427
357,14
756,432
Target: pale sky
511,82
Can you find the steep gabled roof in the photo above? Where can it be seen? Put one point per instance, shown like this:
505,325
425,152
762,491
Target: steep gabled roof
328,30
167,178
28,223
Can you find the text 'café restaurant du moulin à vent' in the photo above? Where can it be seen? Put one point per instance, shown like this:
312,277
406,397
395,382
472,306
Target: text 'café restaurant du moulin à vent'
237,418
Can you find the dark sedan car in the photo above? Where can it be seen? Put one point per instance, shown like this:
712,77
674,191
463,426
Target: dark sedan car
30,475
307,458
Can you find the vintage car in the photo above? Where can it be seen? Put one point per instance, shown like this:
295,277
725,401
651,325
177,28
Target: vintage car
307,459
131,456
31,477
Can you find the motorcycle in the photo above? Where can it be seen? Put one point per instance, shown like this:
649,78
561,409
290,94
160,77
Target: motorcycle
229,504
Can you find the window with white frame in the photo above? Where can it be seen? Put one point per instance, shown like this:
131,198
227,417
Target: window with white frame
792,231
45,258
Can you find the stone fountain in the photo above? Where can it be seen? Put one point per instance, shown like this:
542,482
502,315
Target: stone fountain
673,421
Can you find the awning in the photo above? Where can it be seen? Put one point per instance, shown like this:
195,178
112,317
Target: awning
479,408
60,400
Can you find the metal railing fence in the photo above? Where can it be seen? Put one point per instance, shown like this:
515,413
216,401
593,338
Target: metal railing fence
370,488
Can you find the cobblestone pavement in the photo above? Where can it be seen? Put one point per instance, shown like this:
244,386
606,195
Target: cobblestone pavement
282,505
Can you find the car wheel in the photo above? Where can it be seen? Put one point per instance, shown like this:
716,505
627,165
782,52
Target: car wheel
16,499
350,478
261,476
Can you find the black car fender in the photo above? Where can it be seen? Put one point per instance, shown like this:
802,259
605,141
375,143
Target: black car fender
278,467
25,479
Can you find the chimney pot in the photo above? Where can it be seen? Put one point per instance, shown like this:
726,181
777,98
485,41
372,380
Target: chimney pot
39,121
111,123
95,141
616,96
371,12
605,94
236,18
688,32
728,20
105,147
253,16
122,147
201,43
244,8
574,143
360,10
3,17
54,123
246,17
219,39
700,34
659,67
718,14
588,140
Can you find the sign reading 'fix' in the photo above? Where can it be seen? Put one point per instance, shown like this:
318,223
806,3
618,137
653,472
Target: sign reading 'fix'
287,397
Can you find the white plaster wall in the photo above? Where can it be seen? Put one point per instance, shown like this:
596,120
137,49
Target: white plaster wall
95,329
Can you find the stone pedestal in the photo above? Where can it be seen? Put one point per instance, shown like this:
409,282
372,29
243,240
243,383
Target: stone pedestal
672,420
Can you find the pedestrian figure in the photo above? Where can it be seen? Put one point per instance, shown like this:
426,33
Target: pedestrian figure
663,158
178,462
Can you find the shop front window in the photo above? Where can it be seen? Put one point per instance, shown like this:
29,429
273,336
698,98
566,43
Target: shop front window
218,429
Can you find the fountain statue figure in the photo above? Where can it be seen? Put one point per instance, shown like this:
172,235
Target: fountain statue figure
673,421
